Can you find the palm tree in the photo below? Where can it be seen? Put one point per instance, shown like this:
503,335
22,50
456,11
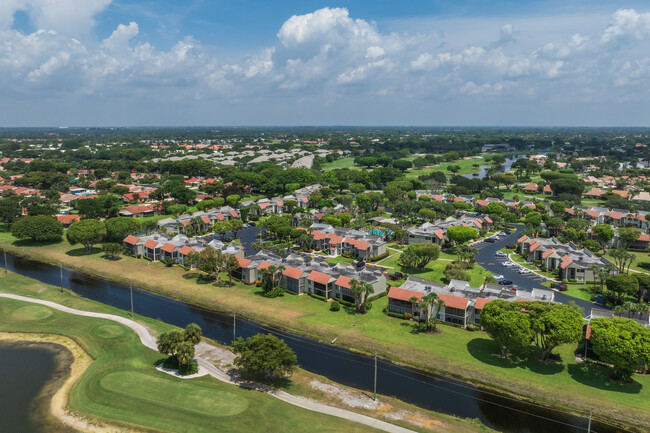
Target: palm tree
361,290
185,352
431,305
414,302
230,264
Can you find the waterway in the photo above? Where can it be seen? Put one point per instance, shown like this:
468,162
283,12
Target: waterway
503,168
438,393
30,373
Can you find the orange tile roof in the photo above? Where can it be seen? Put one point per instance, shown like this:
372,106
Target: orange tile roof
68,218
318,236
593,213
480,303
452,301
440,234
151,244
522,239
547,253
343,281
404,294
243,262
168,247
319,277
334,239
534,246
185,250
482,202
205,219
362,245
131,240
531,187
566,261
220,216
488,219
292,272
263,265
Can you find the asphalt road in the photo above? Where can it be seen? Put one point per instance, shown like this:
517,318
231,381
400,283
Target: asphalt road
487,258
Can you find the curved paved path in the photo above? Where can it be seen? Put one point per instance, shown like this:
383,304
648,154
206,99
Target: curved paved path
149,341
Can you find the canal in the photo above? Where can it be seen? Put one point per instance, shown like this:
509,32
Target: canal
429,391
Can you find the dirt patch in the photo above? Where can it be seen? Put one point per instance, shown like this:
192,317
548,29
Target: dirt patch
349,398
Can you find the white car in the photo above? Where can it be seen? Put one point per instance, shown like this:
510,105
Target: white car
499,277
500,254
507,264
525,271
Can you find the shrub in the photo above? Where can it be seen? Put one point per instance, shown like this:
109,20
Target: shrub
171,363
187,369
139,256
644,265
368,306
315,296
572,280
543,268
379,257
396,315
335,306
373,298
472,327
408,316
274,293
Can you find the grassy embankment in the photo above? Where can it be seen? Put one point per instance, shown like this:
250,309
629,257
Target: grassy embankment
122,387
456,352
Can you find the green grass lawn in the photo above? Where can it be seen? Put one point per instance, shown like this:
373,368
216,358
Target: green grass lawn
335,260
472,356
641,257
341,163
433,271
576,290
121,385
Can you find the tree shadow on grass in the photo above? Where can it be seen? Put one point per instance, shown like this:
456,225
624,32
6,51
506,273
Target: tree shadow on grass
598,376
81,252
489,352
190,276
31,243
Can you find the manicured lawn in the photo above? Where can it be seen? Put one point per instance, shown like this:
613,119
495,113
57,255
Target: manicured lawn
335,260
122,386
455,351
576,290
641,257
341,163
433,271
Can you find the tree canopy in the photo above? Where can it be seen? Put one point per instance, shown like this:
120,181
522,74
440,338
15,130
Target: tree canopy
621,342
417,256
86,232
40,228
264,356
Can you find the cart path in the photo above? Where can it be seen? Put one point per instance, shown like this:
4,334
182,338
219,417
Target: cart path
149,341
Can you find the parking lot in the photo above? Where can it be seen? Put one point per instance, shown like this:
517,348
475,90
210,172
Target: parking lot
487,258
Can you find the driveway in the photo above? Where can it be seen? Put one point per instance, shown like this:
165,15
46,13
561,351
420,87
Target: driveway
486,258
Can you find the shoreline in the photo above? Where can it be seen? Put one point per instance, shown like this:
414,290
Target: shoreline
58,403
534,396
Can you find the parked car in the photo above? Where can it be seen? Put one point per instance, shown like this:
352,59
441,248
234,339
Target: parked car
490,240
252,224
500,254
499,277
507,232
507,264
504,282
394,277
560,286
525,271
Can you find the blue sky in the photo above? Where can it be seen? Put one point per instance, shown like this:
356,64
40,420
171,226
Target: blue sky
380,62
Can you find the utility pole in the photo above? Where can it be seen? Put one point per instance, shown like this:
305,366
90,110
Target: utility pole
61,271
589,426
131,288
5,251
375,387
234,325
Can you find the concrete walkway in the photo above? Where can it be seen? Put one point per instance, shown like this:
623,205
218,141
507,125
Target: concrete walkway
149,341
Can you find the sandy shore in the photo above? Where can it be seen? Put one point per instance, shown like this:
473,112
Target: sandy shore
59,401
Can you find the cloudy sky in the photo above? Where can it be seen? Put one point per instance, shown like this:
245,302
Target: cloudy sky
309,62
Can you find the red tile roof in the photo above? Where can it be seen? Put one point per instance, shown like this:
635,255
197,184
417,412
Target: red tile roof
168,247
264,205
534,246
220,217
488,219
480,303
547,188
547,253
292,272
151,244
206,219
263,265
233,213
593,213
334,239
185,250
404,294
138,209
482,202
566,261
362,245
531,187
452,301
522,239
68,218
343,281
318,236
440,234
644,238
319,277
243,262
614,215
131,240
